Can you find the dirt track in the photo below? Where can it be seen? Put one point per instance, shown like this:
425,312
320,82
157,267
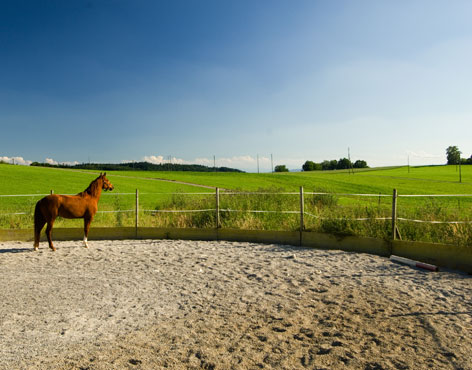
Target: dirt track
182,304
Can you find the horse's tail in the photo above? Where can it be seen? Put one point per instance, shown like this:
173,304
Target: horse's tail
39,221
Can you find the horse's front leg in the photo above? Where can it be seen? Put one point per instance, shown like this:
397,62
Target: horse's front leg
87,222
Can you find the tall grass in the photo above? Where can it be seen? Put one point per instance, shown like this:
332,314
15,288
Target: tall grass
327,213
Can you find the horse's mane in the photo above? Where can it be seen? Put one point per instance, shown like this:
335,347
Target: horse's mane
93,188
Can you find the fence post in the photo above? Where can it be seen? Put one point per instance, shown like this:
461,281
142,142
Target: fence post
302,211
52,191
217,198
394,214
137,212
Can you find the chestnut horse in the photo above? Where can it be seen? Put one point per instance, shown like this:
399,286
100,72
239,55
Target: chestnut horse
82,205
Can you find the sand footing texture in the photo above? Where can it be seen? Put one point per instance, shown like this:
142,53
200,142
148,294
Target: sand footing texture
151,304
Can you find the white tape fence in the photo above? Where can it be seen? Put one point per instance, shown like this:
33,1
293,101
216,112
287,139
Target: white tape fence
217,210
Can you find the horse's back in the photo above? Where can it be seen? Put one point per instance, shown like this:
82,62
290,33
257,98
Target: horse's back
67,206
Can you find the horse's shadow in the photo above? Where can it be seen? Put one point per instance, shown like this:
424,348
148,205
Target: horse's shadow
16,250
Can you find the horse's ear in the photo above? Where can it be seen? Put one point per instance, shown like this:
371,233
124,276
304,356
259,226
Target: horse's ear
101,174
104,174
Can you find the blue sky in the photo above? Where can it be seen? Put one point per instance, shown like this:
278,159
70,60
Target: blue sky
112,81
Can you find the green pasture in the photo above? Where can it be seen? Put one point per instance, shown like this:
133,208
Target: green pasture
333,213
416,180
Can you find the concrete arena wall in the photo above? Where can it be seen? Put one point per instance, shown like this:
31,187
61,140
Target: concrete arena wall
443,255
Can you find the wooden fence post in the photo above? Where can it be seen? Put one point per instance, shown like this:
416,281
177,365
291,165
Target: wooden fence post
302,211
217,198
137,212
394,214
52,191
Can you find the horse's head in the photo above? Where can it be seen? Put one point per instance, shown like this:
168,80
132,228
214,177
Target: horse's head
107,185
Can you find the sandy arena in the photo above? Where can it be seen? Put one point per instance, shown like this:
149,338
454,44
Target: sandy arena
151,304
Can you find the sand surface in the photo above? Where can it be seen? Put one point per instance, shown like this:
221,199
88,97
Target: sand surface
151,304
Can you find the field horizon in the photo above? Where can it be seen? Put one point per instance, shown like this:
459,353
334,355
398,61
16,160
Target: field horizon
441,179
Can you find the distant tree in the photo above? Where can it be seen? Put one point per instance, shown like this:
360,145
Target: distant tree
360,164
329,165
281,168
308,166
140,166
325,165
453,155
343,164
333,164
312,166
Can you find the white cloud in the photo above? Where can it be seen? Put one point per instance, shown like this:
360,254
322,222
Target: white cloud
51,161
55,163
15,160
159,159
25,162
154,159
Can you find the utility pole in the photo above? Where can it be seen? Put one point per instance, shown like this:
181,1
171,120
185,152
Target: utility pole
272,163
349,158
408,164
258,163
214,163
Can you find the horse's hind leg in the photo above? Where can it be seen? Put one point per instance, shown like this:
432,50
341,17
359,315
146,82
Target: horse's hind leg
39,223
48,234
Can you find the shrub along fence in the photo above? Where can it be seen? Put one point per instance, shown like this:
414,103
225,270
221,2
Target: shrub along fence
331,220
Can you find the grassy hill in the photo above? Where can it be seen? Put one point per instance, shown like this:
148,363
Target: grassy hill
328,213
416,180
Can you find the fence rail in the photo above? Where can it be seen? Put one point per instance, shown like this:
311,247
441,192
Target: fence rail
301,211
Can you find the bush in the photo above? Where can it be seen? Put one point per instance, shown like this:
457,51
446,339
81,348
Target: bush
281,168
308,166
360,164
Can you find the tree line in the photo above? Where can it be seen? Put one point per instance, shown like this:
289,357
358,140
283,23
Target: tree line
140,166
342,164
454,156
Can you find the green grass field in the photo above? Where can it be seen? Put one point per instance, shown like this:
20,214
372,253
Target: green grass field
419,180
327,213
432,180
